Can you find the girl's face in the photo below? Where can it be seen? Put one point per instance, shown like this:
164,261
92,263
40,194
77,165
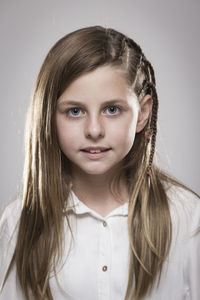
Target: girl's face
96,120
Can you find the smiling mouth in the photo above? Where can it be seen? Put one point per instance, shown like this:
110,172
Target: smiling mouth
95,151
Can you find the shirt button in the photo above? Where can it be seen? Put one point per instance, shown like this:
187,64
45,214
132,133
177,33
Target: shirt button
105,268
104,223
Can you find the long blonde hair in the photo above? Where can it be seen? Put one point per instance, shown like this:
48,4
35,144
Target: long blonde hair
46,183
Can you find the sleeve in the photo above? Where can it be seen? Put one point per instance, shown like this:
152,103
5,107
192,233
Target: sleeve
192,261
8,235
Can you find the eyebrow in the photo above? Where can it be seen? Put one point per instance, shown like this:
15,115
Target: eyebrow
77,103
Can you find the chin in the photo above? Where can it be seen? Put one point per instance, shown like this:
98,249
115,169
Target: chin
95,172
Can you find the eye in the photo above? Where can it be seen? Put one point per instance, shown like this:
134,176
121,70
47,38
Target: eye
112,110
74,112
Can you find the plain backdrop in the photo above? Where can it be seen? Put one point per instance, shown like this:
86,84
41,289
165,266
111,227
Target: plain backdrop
168,32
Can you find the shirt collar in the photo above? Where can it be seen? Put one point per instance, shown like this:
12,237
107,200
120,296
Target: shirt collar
78,207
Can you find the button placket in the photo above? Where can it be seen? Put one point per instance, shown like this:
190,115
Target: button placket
104,262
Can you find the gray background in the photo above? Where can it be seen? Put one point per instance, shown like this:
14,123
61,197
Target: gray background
168,32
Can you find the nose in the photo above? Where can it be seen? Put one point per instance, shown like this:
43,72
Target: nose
94,128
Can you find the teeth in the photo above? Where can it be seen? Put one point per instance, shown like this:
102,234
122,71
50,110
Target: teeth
94,151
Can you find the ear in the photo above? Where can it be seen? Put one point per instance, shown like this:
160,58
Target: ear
144,112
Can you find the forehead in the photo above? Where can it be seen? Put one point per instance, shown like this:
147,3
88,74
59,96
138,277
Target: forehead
103,83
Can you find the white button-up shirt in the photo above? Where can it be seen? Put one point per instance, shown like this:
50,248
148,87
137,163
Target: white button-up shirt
95,263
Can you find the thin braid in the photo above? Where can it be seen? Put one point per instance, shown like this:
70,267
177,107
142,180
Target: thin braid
153,123
151,72
131,44
149,87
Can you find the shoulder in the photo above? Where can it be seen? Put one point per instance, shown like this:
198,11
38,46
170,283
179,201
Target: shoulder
182,196
8,236
185,209
185,214
10,217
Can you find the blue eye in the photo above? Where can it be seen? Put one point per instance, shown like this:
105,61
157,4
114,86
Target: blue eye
112,110
74,112
77,111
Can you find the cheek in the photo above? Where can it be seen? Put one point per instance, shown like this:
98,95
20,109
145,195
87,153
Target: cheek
67,135
125,139
124,133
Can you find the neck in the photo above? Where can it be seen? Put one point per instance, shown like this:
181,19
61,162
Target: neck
94,191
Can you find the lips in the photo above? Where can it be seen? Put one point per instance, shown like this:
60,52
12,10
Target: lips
95,149
95,153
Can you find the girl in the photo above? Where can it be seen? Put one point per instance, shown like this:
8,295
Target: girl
97,219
